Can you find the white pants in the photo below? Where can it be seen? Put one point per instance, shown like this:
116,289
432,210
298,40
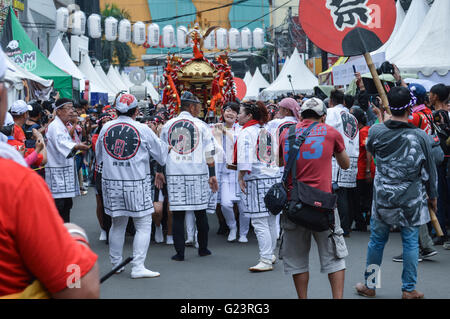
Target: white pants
190,224
266,234
244,222
141,240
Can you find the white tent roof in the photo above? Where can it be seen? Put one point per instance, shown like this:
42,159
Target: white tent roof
303,80
429,52
126,79
258,82
116,79
152,91
95,83
111,85
62,60
282,74
398,23
247,78
411,25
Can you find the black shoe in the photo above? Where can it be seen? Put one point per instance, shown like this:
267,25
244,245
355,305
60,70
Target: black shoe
204,252
428,252
438,241
223,230
178,257
399,258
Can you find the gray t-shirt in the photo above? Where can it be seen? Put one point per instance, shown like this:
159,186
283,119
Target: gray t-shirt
405,173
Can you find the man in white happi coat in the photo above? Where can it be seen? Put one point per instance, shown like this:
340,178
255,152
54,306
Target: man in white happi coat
60,171
190,172
344,180
125,147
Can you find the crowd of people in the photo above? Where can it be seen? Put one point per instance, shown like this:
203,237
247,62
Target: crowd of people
157,178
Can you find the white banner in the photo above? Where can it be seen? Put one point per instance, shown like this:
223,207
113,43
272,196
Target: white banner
344,74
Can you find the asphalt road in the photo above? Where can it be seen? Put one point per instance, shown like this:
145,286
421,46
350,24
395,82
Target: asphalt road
225,275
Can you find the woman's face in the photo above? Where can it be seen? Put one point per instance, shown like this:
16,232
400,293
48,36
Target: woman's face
230,116
243,117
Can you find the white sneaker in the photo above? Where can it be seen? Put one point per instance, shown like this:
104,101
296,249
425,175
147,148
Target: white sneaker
169,240
144,273
274,259
232,234
196,239
243,239
159,237
102,235
189,242
263,265
120,270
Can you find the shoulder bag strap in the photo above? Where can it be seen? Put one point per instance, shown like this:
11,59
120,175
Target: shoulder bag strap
294,149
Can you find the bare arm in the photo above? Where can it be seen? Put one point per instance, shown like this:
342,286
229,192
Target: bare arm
342,159
89,287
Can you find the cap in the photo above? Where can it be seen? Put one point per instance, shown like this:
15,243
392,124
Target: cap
8,120
104,116
291,104
316,105
189,97
417,89
20,107
125,102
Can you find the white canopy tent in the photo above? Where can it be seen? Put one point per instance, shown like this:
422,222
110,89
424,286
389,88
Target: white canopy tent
126,79
407,33
95,83
62,60
116,79
303,80
398,23
111,85
429,52
247,78
258,82
152,91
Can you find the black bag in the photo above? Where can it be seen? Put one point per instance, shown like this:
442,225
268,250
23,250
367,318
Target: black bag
311,208
276,198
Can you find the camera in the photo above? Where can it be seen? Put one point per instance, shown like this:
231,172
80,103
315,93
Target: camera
386,68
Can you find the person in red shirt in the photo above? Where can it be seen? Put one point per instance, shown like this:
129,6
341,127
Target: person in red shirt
19,110
366,173
422,116
33,157
313,167
39,255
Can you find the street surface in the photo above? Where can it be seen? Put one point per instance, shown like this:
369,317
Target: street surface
225,275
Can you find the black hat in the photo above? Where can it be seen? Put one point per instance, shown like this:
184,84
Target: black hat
189,97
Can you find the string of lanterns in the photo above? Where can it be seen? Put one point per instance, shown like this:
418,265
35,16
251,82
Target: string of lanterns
151,35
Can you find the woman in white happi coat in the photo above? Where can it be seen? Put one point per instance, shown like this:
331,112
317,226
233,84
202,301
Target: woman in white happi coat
229,192
258,171
190,172
125,148
60,172
288,115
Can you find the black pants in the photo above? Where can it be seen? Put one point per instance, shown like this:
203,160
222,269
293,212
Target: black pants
364,191
64,205
178,230
346,206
